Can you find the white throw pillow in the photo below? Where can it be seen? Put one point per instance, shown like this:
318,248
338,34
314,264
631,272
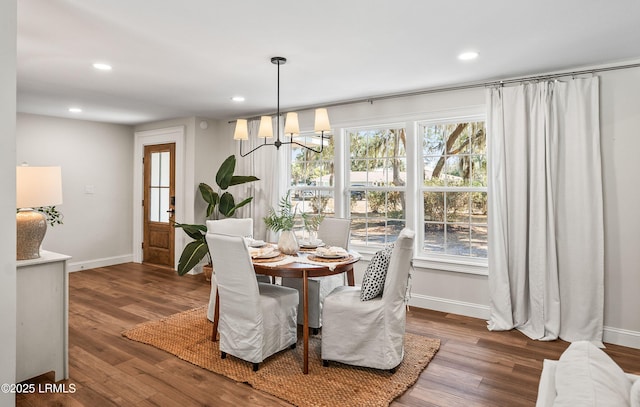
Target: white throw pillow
586,376
635,394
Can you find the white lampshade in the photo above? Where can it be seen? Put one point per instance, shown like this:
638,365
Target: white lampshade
291,125
38,186
266,127
241,132
322,121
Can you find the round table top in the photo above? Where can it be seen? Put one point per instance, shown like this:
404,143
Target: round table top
296,269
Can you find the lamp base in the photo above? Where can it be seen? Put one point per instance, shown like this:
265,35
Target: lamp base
31,227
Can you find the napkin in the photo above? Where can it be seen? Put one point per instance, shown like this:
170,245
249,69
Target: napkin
331,251
261,251
254,243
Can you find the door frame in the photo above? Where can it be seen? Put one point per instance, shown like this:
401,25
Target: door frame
151,137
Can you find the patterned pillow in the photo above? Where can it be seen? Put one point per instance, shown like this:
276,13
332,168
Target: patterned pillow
374,276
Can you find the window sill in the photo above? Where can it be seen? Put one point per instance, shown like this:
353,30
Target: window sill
446,264
455,265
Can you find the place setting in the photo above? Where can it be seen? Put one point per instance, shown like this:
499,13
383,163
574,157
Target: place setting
261,252
330,254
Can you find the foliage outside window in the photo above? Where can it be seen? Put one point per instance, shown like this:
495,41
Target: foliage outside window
454,191
312,179
377,179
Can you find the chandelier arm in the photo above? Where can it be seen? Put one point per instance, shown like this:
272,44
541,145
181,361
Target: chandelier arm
307,147
254,149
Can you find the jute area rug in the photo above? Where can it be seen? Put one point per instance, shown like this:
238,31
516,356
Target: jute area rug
187,335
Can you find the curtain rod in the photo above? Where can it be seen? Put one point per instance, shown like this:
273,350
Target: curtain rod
464,87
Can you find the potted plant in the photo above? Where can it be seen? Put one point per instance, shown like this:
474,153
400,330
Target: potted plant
221,203
283,221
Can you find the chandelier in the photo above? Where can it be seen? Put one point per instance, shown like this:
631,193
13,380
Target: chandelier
291,127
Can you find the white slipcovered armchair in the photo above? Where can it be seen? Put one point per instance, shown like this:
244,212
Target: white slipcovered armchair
256,319
370,333
332,232
233,227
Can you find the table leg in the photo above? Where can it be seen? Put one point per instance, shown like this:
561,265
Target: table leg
305,325
350,279
216,318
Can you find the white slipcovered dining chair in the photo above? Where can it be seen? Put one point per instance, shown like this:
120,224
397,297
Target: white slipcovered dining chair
256,319
332,232
370,333
233,227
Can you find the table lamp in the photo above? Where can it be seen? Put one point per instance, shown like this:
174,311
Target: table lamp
35,187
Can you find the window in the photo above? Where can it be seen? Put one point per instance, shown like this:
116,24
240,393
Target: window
312,177
377,182
426,174
454,191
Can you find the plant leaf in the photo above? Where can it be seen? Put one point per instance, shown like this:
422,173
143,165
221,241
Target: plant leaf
243,203
191,255
196,232
225,172
212,198
242,179
227,205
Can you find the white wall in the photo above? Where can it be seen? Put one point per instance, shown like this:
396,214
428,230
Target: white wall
8,198
620,131
97,227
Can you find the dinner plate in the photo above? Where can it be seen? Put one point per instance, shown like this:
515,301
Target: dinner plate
331,256
257,243
311,246
269,255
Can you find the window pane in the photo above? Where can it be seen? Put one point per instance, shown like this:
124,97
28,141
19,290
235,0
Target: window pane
479,240
309,168
433,174
479,170
434,237
457,171
433,141
164,205
479,207
458,241
164,169
155,173
154,208
434,206
458,209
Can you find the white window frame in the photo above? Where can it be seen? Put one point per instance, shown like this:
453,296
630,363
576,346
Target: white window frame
414,216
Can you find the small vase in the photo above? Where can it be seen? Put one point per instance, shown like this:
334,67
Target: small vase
287,243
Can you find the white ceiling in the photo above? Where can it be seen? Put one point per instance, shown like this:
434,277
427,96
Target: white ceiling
176,58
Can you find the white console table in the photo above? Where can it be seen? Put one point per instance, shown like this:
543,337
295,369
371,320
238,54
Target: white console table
42,333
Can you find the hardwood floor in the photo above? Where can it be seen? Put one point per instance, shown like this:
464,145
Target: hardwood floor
474,367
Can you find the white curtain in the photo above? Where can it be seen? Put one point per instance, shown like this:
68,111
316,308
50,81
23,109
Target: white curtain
270,165
546,241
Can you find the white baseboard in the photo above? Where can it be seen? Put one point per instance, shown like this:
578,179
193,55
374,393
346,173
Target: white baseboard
615,336
622,337
452,306
91,264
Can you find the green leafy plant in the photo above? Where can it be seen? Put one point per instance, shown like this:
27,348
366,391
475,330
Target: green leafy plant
284,218
54,217
312,222
221,203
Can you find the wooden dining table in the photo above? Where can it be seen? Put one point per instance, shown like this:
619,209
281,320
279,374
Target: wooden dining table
304,271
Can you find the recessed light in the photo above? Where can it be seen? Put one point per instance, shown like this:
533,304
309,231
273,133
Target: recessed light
102,67
238,99
75,110
467,56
